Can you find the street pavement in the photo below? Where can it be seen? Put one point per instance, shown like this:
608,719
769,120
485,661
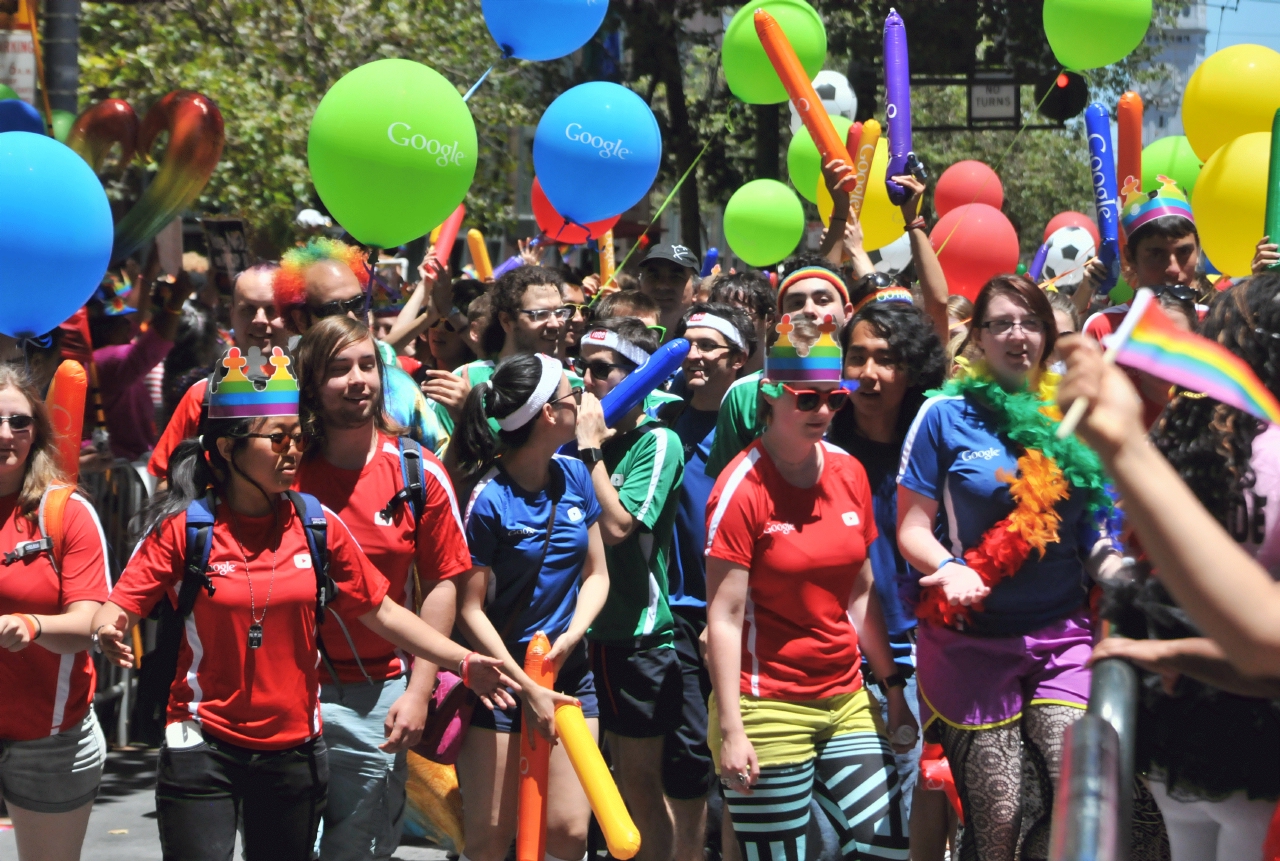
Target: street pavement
122,826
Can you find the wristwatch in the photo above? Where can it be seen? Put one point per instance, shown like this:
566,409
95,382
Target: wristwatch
897,680
590,456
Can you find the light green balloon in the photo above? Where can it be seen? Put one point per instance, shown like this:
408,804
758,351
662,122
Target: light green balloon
62,122
747,69
392,151
1121,293
1172,157
7,92
763,222
1087,34
804,162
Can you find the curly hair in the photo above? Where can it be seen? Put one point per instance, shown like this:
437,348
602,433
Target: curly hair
1209,443
290,283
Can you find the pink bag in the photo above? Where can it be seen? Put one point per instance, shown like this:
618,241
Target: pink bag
448,717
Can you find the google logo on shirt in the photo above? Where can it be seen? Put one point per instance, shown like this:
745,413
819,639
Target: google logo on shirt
607,149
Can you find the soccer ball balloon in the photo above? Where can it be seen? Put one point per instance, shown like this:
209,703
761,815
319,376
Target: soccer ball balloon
1070,248
893,258
837,97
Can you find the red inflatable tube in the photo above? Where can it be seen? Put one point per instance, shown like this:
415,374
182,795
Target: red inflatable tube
449,235
1129,145
66,400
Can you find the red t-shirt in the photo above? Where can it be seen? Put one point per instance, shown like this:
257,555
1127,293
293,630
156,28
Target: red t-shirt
263,698
182,425
804,549
435,543
46,693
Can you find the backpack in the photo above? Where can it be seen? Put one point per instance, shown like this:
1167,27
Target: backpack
414,494
161,664
53,508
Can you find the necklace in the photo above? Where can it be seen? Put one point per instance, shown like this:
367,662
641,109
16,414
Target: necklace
255,628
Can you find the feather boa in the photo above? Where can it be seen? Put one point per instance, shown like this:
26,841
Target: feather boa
1047,470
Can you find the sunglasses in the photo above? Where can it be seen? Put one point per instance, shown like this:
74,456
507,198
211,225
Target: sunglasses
575,396
808,400
576,309
448,326
599,368
18,423
280,441
1177,291
355,306
661,330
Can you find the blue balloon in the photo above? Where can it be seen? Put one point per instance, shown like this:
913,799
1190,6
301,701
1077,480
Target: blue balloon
543,29
18,116
596,151
55,233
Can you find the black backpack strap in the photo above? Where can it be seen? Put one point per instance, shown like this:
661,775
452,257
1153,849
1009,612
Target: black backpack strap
413,492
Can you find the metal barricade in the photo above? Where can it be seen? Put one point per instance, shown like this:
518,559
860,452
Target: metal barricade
118,495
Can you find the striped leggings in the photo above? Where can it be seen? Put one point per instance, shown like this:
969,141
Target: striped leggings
855,782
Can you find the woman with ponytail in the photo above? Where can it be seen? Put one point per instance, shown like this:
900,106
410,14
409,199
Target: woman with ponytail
540,567
243,731
53,749
1209,737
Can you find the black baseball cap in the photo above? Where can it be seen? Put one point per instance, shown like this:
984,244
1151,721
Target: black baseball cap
676,254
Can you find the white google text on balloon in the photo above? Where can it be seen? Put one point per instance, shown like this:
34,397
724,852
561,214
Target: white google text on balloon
447,153
608,149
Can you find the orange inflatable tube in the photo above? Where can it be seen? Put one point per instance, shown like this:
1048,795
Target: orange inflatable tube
620,832
480,255
607,261
814,116
535,760
867,143
66,400
448,235
1129,145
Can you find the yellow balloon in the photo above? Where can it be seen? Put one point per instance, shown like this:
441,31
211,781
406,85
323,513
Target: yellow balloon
1234,92
1231,202
882,222
825,204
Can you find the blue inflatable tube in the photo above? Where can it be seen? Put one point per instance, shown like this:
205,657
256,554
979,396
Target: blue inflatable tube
631,392
713,257
1037,263
1102,165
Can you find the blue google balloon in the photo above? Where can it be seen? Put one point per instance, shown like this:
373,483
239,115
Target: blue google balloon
543,29
597,151
55,233
18,116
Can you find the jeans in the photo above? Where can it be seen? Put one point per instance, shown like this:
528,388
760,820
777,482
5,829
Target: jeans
366,806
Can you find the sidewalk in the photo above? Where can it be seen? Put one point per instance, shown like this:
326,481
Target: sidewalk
122,826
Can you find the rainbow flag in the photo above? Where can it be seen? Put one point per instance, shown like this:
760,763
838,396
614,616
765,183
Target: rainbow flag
1148,340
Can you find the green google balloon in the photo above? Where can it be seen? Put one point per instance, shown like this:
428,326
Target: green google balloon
1172,157
747,69
763,222
1087,34
7,92
392,151
804,162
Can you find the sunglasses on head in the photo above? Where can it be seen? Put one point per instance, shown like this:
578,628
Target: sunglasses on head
18,422
1178,291
280,441
448,326
808,400
341,308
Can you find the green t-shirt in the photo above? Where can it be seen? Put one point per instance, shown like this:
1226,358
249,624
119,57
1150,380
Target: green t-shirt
736,425
646,466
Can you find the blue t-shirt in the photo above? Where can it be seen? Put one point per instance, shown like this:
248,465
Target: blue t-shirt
952,454
687,576
506,529
891,571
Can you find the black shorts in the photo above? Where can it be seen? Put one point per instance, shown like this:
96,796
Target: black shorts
645,692
574,679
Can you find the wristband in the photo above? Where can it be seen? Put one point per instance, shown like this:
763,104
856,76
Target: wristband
918,224
30,623
464,669
945,562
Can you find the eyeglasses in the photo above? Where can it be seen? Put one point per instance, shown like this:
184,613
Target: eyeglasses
18,423
575,309
706,347
542,315
341,308
1000,328
808,400
280,441
599,368
575,395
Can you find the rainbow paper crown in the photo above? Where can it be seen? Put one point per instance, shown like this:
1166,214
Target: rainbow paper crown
1140,209
237,396
112,292
820,362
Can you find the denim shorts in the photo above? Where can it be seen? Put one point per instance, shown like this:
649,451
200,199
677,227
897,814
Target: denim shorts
55,774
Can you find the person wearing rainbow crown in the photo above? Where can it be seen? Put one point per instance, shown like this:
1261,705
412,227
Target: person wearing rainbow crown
243,731
792,608
1005,522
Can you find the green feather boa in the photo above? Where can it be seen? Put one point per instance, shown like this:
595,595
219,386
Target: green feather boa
1022,421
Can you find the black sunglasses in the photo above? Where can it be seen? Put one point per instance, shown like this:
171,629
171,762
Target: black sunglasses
599,368
575,396
1178,291
356,305
280,440
19,422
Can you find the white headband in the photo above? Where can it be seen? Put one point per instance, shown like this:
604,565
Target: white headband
552,371
610,341
704,320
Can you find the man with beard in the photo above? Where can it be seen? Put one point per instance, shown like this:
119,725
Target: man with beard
529,316
359,467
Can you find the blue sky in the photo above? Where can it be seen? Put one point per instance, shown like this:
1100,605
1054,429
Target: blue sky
1256,22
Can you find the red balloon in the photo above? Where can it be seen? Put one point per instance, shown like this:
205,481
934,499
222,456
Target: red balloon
560,231
1072,219
974,242
967,182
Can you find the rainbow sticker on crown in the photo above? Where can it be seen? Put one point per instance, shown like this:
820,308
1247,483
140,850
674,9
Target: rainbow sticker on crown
1140,208
820,362
236,396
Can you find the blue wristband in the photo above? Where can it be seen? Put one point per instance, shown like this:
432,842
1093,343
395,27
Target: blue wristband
946,562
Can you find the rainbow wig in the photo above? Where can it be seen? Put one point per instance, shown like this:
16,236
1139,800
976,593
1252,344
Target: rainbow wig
290,284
